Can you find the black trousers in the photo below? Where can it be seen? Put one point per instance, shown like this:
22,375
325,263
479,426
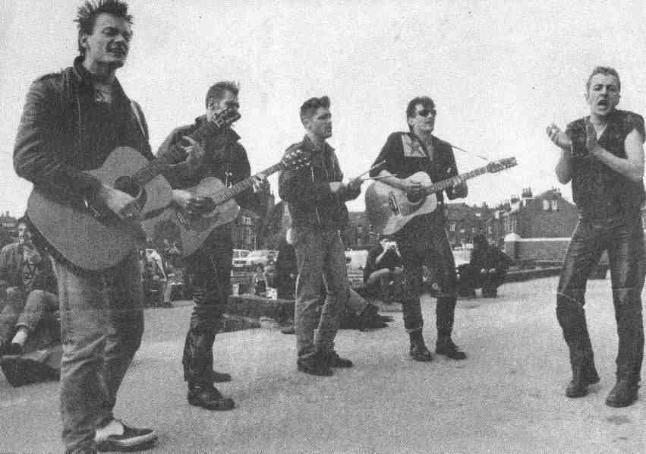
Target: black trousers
624,241
429,246
209,270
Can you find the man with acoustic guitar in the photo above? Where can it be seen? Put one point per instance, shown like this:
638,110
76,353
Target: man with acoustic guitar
209,267
316,198
73,122
423,240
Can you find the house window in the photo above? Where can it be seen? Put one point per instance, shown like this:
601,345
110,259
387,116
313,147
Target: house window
452,227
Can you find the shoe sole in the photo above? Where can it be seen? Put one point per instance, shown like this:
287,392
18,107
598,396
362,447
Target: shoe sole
223,407
111,445
313,372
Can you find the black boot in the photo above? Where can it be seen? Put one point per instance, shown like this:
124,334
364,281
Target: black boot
334,360
220,377
624,393
582,377
418,350
206,396
445,346
316,364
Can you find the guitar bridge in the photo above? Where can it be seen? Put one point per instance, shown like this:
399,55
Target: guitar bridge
392,203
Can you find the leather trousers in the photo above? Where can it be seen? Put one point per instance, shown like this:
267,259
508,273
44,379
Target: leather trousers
623,239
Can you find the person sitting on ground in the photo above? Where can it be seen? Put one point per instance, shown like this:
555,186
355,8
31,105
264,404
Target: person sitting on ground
358,314
383,268
28,320
487,269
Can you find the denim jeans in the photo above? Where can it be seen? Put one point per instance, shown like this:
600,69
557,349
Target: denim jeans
431,248
209,269
101,326
320,257
624,241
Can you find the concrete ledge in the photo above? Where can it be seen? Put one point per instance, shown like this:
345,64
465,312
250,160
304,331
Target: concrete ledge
525,275
255,307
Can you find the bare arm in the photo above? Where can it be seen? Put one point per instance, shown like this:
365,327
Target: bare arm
631,167
564,166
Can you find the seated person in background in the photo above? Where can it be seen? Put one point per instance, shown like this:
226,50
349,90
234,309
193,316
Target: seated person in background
358,314
260,281
28,320
487,269
383,267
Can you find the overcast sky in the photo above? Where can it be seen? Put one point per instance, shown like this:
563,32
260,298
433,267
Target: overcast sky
499,71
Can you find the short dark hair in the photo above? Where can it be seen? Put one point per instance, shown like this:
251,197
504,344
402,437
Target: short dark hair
216,91
23,220
606,70
310,106
88,12
425,101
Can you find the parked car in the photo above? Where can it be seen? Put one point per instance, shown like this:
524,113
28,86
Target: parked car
238,260
258,257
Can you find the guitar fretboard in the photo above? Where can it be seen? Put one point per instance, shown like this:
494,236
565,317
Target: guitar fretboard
245,184
445,184
176,154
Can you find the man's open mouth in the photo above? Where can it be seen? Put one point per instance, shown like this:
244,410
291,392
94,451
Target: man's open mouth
603,103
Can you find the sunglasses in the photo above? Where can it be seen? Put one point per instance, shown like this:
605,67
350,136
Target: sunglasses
427,112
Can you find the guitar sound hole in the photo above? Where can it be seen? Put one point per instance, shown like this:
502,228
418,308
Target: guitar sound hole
131,188
414,198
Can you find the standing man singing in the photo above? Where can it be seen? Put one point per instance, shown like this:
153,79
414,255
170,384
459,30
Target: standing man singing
316,198
72,121
423,240
209,267
603,156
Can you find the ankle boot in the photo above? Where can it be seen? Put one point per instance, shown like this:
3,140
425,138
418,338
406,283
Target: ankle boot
418,350
624,393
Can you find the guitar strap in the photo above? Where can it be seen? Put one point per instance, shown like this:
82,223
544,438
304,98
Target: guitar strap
135,109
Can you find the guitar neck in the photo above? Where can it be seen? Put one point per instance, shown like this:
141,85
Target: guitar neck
176,153
445,184
245,184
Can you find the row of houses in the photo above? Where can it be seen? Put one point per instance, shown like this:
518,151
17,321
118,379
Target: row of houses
546,215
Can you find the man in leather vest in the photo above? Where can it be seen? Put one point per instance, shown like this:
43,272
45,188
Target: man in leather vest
602,155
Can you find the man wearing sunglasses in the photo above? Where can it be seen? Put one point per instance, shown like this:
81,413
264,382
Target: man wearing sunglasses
223,157
423,241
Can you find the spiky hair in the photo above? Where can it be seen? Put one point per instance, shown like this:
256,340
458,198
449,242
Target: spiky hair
88,12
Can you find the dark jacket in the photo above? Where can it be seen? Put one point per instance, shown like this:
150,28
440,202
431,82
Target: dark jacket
489,257
390,260
403,155
64,131
225,158
307,190
11,261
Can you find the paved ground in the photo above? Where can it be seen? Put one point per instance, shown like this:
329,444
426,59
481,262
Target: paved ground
506,398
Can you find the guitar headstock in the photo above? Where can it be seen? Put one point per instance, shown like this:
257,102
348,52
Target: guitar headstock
227,117
295,159
501,164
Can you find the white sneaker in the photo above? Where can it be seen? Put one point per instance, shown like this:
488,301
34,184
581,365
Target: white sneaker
116,436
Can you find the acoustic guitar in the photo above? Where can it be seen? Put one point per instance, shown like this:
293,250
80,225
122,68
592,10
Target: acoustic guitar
389,209
93,238
195,228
